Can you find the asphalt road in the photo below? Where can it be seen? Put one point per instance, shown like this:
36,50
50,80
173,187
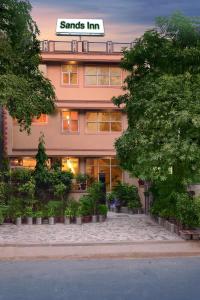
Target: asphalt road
152,279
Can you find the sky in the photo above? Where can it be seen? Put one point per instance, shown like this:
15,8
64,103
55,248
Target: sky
124,20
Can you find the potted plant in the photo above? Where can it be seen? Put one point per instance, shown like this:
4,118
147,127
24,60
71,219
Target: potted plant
68,216
29,215
38,216
51,215
79,216
81,179
18,217
102,209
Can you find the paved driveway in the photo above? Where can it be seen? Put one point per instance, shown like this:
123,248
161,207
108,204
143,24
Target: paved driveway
117,228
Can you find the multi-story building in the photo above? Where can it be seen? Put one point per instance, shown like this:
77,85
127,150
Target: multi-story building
82,132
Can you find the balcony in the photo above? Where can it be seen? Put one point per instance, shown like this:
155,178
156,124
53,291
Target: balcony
84,47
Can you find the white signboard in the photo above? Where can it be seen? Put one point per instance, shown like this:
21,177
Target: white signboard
80,27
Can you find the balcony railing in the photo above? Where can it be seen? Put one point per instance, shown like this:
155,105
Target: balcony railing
84,47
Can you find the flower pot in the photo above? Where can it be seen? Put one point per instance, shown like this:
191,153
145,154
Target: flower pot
102,218
94,218
19,221
78,220
51,221
67,220
86,219
39,221
29,220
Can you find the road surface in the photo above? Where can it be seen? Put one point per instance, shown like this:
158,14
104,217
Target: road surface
121,279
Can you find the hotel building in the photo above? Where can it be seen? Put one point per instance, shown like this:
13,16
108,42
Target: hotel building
82,131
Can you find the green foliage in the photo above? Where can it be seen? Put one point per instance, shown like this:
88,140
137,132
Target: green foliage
20,175
127,195
68,212
28,188
81,178
87,205
28,212
38,214
59,190
102,209
41,170
188,210
162,102
15,207
24,91
54,209
1,216
3,193
72,207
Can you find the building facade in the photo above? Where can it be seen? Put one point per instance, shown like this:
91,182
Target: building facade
82,131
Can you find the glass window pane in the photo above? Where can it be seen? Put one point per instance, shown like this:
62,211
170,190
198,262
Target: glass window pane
116,175
73,78
92,127
66,115
104,162
69,68
91,116
116,126
103,80
106,171
115,71
92,171
91,80
91,161
74,126
29,162
104,126
116,116
104,116
70,164
66,125
115,80
74,115
66,78
90,70
103,71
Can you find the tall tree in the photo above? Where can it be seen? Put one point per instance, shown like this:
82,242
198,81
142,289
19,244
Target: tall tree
24,91
162,102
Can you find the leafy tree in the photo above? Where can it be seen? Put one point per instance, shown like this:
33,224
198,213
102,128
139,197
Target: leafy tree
41,170
162,102
24,91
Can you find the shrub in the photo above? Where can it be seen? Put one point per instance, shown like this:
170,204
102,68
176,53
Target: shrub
165,207
102,209
54,209
1,217
188,210
73,207
87,205
21,175
127,195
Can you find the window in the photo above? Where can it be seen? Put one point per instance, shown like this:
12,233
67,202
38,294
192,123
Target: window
103,75
70,164
69,74
69,121
26,162
42,119
103,122
109,166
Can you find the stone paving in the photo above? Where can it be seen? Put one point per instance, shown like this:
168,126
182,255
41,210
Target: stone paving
117,228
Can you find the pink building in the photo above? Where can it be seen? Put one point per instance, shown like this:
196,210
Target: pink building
82,132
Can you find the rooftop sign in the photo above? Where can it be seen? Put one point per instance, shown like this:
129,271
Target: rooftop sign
80,27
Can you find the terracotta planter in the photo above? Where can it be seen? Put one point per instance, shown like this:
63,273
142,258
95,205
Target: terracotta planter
87,219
